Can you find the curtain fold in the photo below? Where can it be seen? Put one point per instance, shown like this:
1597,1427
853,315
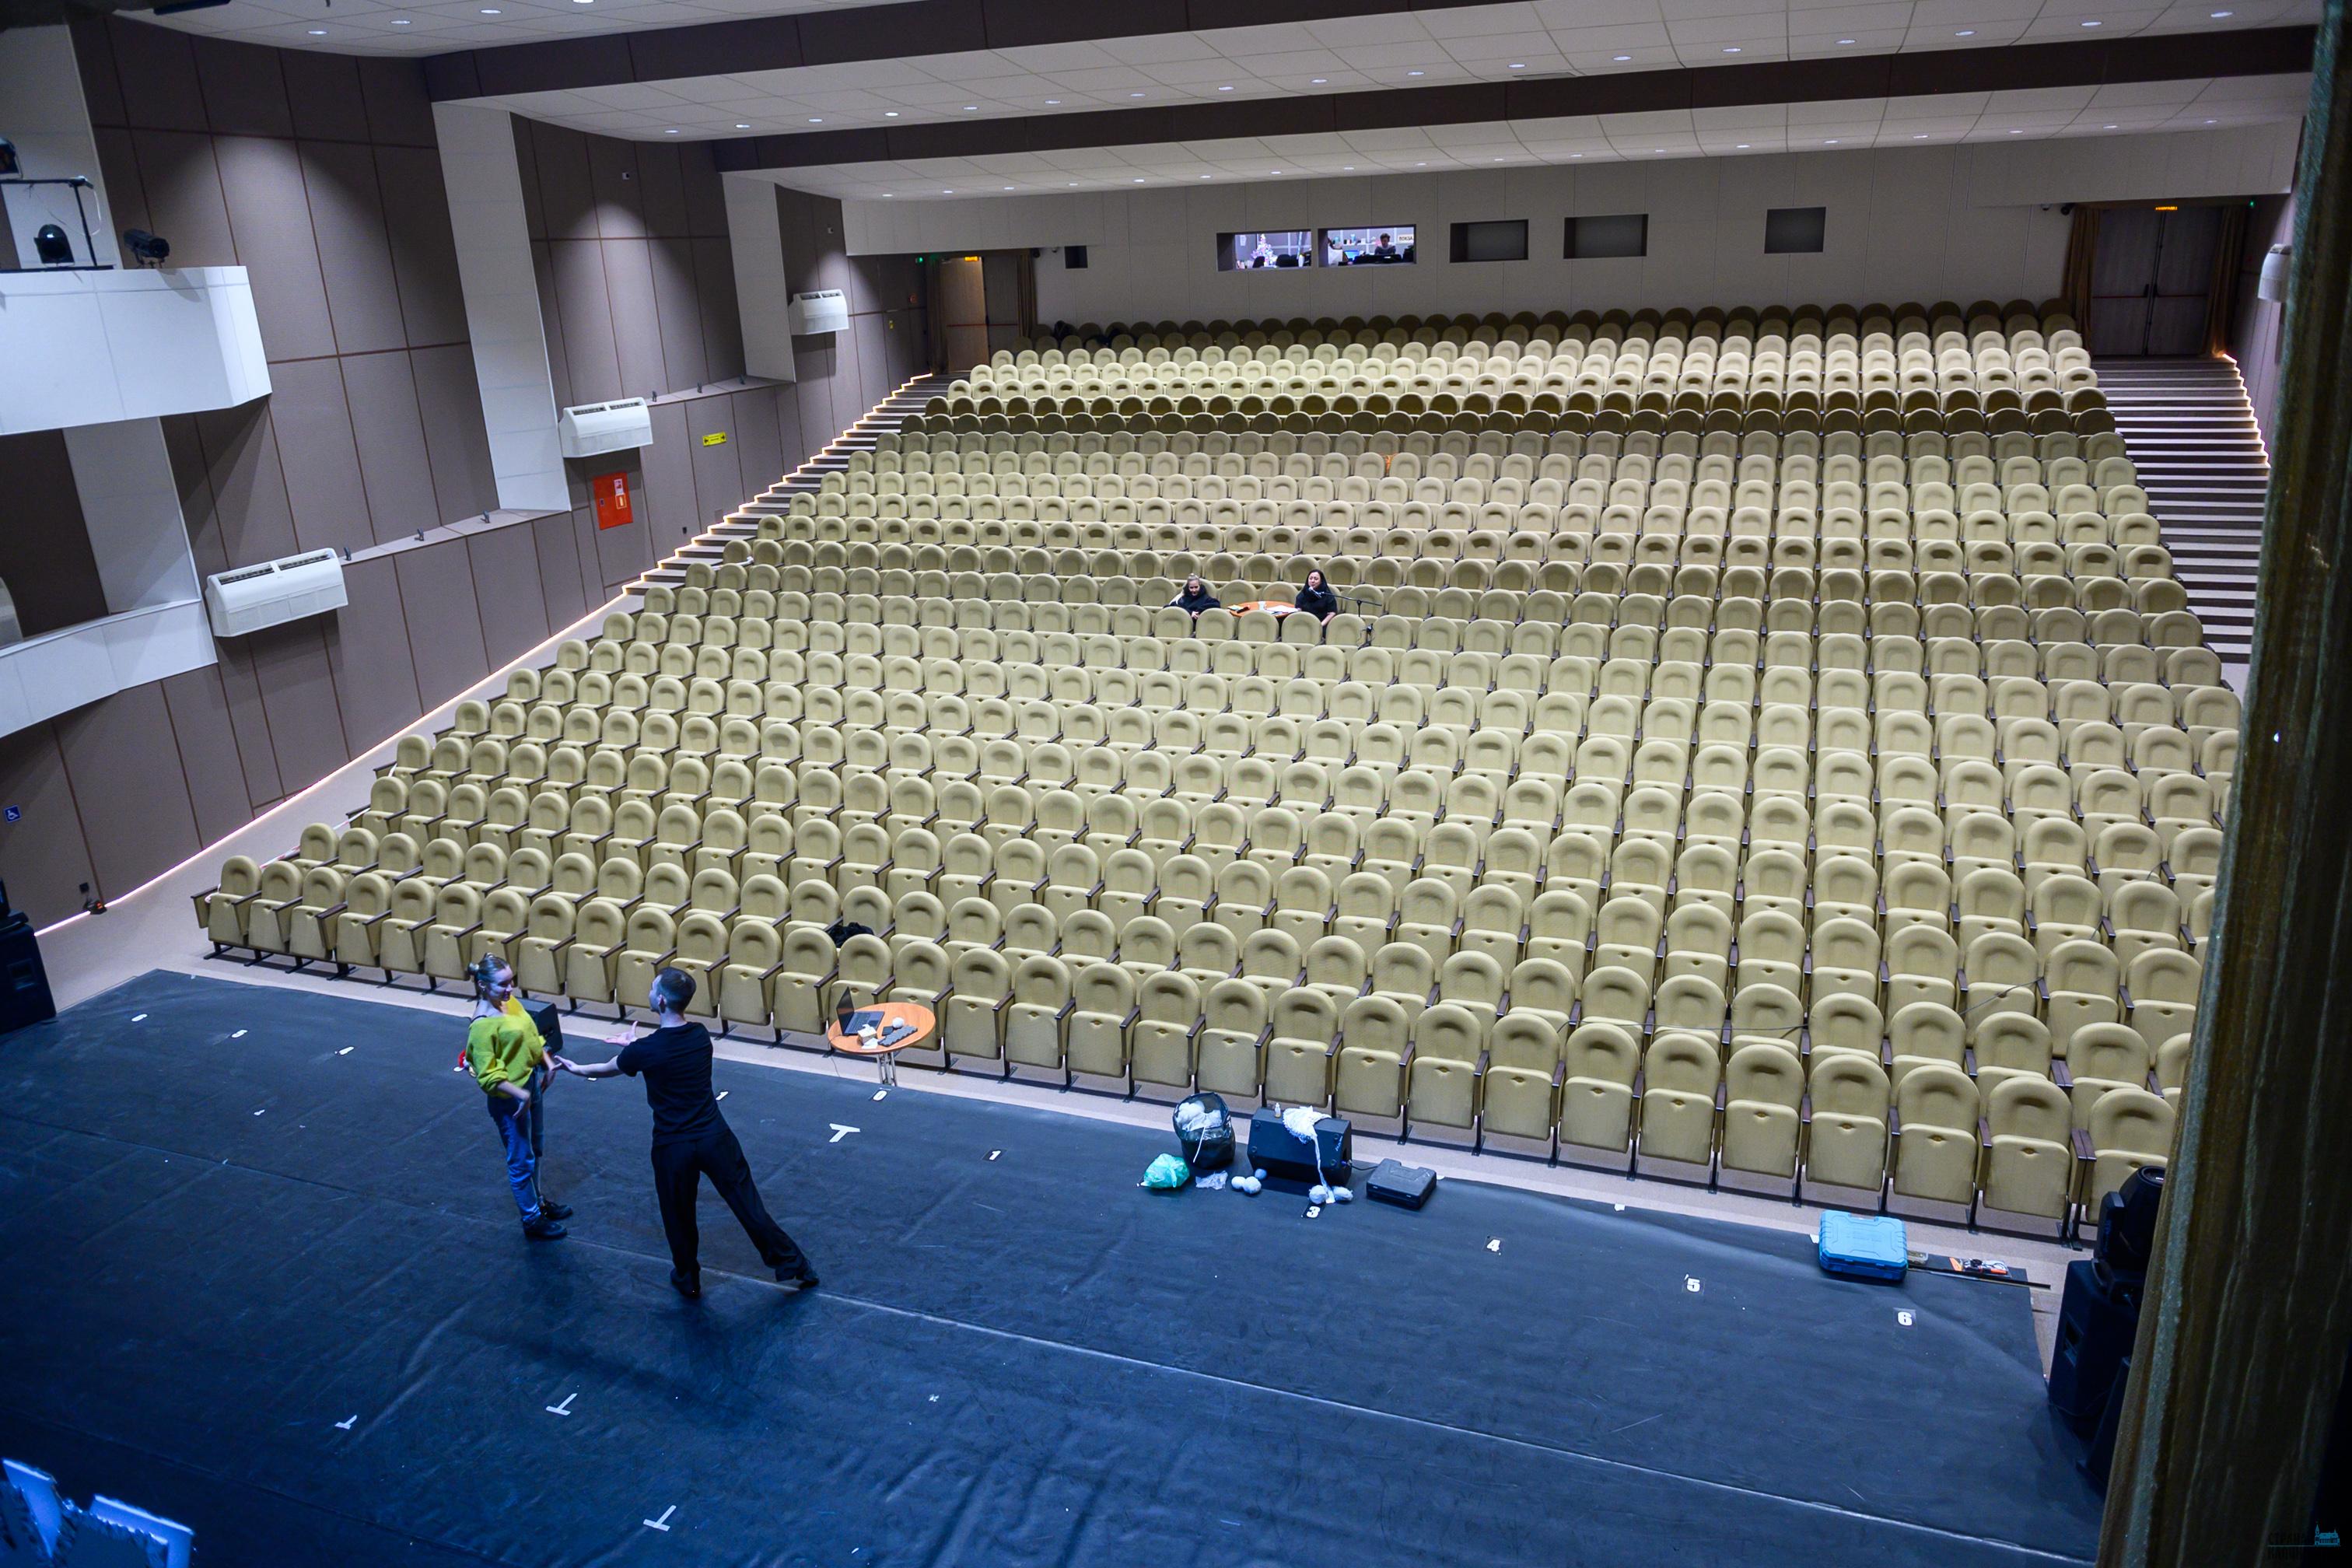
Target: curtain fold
2075,282
2229,259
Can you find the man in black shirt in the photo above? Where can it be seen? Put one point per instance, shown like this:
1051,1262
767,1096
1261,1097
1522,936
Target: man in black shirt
692,1139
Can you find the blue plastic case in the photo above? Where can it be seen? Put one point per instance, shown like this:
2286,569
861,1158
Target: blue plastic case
1863,1247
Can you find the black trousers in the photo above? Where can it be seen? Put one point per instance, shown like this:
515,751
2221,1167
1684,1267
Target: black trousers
678,1169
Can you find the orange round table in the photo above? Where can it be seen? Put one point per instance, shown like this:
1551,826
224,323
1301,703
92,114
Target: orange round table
916,1017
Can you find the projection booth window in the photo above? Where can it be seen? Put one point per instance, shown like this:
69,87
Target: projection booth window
1266,248
1379,245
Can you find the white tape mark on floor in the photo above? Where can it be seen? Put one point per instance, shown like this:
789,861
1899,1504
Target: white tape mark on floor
840,1132
238,1035
345,1424
992,1154
263,1112
663,1522
564,1408
1690,1283
1495,1244
723,1093
881,1094
138,1017
345,1051
1905,1318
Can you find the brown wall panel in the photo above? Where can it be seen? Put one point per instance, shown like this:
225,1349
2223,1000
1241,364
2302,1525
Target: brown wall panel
789,438
722,325
455,437
559,569
661,189
758,454
42,855
325,93
269,212
368,654
589,347
513,605
388,428
399,114
45,554
613,180
354,250
534,211
249,721
320,454
636,324
706,198
717,473
551,319
101,87
298,694
215,774
680,308
251,518
132,791
180,180
244,90
157,68
566,193
444,624
671,504
424,251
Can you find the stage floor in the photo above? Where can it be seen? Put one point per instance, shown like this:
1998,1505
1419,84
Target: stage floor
264,1277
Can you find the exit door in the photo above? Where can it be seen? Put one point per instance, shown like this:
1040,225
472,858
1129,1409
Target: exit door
962,305
2151,281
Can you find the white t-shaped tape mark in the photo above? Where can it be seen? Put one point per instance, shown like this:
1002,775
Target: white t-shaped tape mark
345,1424
840,1132
564,1408
663,1522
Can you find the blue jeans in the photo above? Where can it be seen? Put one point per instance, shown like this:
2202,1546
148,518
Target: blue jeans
516,1125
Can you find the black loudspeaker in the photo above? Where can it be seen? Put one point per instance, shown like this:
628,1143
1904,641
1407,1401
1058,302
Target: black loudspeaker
2095,1327
2101,1457
24,984
1394,1182
2127,1234
1274,1149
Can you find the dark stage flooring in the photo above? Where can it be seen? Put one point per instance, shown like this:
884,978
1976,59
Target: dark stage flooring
263,1274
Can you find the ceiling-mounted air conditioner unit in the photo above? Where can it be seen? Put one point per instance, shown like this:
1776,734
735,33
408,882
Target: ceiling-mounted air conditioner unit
820,311
593,428
275,592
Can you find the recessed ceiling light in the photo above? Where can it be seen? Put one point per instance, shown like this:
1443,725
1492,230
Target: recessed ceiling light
2090,23
1966,33
1008,187
1319,81
1576,154
1139,182
1207,176
1226,89
1922,136
890,114
2107,128
2017,133
400,21
742,125
1623,59
1348,169
1499,160
1135,95
489,10
1274,170
1053,103
947,193
1519,65
969,107
1425,166
1657,149
1731,49
1741,148
1416,73
814,120
2212,122
1845,43
889,195
671,131
2218,15
317,32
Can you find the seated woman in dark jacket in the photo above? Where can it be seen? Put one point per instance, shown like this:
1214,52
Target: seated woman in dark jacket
1195,597
1317,598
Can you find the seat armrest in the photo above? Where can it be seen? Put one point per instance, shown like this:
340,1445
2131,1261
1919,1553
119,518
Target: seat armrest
2061,1074
1132,1015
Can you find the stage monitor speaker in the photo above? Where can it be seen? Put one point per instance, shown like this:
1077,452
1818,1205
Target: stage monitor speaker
24,984
1281,1155
2095,1337
2127,1234
1394,1182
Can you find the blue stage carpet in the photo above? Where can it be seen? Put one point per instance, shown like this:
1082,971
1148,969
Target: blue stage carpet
272,1284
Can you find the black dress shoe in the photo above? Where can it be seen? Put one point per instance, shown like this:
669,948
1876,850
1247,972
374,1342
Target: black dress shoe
553,1210
804,1280
687,1285
544,1229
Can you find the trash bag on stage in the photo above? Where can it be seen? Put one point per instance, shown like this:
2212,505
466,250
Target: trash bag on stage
1204,1129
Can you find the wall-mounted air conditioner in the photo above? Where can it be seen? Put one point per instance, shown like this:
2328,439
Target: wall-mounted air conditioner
286,589
820,311
597,427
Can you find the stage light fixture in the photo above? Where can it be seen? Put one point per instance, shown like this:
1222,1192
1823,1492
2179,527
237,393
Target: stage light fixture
150,248
51,246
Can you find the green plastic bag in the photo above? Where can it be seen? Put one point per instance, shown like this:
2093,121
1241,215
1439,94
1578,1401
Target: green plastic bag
1167,1173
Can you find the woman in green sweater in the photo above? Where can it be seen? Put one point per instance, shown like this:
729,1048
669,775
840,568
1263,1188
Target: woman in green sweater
509,1059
